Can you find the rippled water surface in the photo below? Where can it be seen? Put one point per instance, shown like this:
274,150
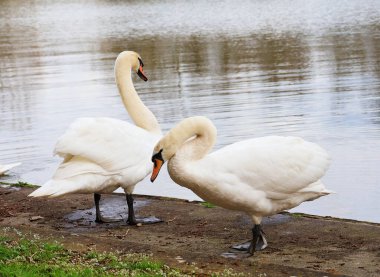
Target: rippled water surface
304,68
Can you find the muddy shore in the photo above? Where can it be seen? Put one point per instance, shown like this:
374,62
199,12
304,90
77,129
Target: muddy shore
194,236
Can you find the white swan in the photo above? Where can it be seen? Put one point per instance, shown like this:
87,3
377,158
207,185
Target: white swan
6,167
103,154
260,176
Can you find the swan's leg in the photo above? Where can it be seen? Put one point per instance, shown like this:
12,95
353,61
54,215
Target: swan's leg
99,218
131,214
257,243
258,240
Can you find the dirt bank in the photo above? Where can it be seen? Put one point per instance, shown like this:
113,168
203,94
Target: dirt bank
194,236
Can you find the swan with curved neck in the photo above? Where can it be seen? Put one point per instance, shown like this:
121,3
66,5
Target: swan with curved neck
260,176
102,154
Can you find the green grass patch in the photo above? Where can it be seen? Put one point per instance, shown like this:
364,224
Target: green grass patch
208,205
22,256
33,257
296,215
19,184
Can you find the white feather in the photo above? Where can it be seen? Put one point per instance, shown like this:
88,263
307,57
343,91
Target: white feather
6,167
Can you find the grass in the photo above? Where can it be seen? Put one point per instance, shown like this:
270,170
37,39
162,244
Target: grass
296,215
33,257
19,184
208,205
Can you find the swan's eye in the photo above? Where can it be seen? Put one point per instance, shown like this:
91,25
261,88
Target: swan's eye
141,62
157,156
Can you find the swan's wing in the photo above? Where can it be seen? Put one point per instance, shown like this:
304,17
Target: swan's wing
110,143
100,154
274,165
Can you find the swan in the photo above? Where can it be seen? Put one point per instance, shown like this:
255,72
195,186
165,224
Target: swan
102,154
259,176
6,167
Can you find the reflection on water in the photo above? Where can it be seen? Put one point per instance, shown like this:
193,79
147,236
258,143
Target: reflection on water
258,68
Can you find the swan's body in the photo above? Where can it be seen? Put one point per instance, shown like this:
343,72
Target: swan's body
103,154
100,155
4,168
260,176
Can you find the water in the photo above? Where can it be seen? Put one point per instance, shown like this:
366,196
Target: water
309,69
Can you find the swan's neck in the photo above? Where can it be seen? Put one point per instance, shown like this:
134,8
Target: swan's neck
191,140
139,113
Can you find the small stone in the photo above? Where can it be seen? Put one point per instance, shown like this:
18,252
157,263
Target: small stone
36,217
180,259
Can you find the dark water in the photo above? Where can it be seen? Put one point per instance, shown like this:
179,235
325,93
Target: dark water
304,68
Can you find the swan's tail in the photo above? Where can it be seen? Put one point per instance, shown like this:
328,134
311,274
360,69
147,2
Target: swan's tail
316,190
327,191
55,188
77,175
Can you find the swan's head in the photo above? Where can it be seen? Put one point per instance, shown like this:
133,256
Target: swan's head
134,60
163,151
158,161
198,133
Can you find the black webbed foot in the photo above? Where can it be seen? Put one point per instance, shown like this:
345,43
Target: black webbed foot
257,243
131,214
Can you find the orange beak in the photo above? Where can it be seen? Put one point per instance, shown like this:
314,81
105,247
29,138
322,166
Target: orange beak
141,74
156,169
